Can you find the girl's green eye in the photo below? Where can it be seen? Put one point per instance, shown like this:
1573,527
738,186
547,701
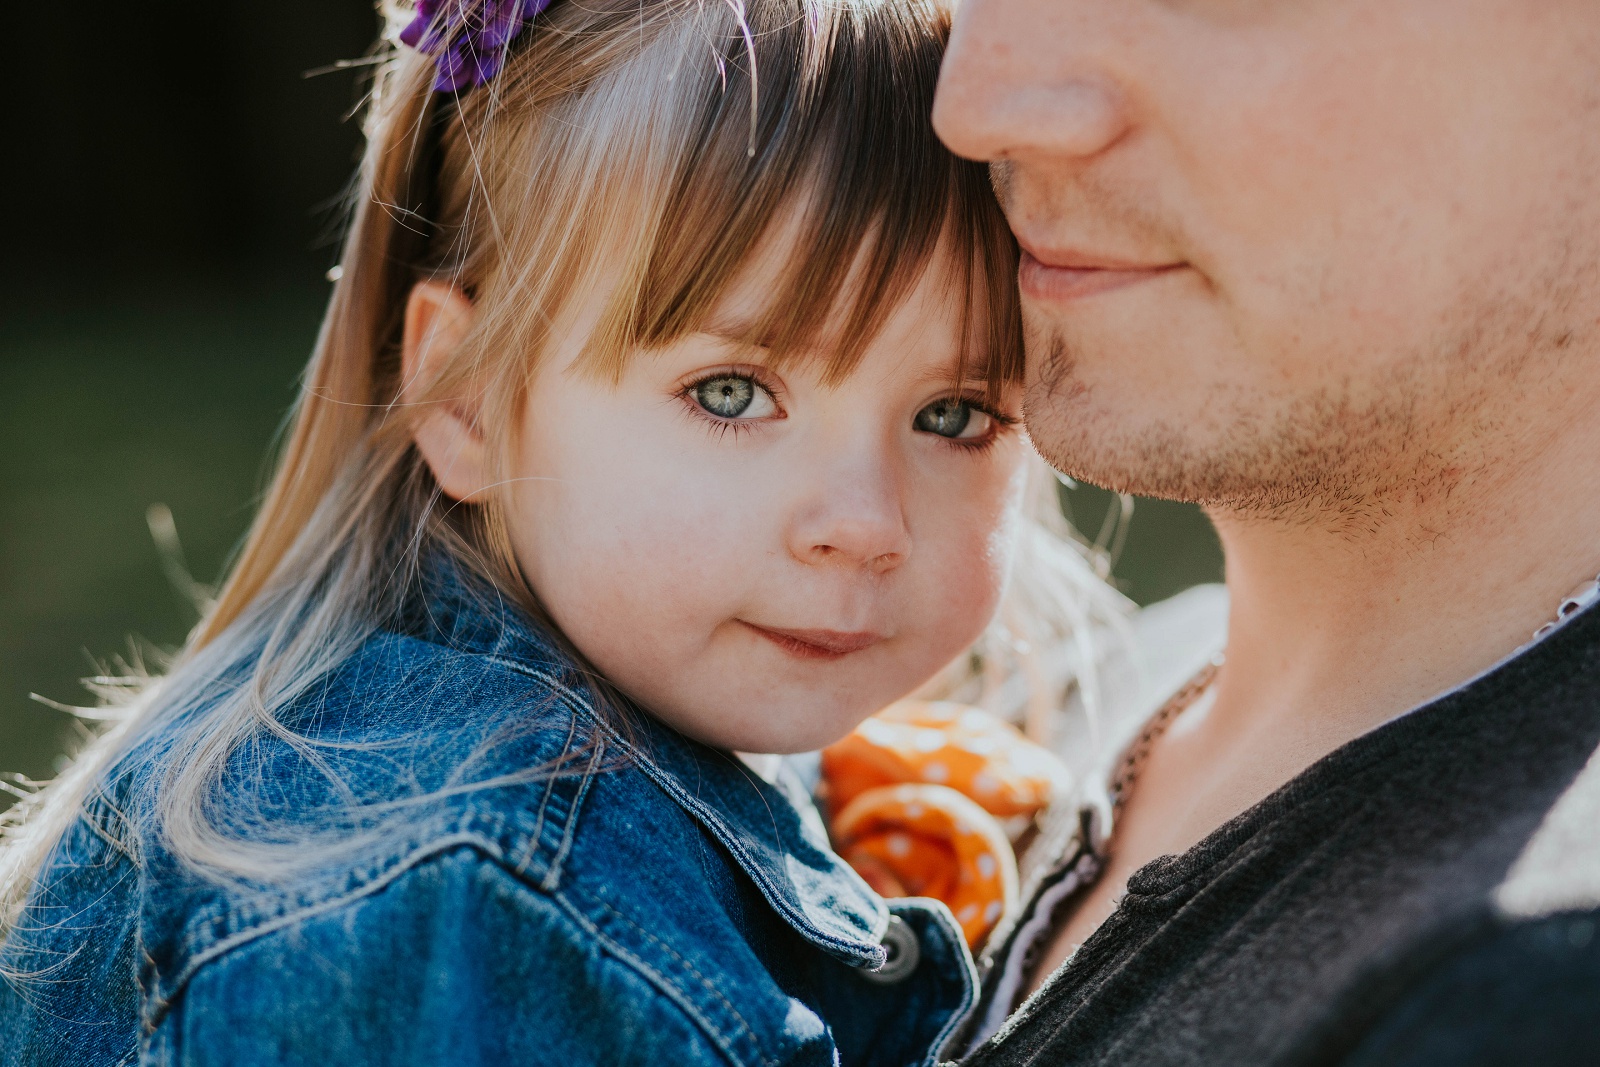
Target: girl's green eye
954,418
734,396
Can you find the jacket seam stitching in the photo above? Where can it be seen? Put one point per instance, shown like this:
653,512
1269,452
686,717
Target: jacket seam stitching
668,987
751,868
161,1003
969,998
692,969
552,876
544,805
102,833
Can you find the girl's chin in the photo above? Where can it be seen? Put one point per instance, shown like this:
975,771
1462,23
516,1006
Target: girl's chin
782,733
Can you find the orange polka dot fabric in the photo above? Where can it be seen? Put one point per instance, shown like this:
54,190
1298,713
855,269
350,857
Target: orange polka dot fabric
931,841
918,793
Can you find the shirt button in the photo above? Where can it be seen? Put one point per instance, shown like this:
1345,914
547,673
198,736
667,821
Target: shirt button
905,952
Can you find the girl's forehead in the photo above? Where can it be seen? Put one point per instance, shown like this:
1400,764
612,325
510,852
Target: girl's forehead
778,274
920,325
917,335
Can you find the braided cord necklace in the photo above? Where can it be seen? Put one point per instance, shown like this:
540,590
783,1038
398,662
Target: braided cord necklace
1127,772
1133,760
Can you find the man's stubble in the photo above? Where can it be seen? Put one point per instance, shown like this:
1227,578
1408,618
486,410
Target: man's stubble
1344,452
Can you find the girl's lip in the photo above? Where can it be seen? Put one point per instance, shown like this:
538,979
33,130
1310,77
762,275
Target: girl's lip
817,644
1069,276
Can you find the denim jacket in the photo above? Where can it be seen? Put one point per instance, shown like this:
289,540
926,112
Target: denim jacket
518,881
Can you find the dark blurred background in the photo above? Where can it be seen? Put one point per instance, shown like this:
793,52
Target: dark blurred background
171,201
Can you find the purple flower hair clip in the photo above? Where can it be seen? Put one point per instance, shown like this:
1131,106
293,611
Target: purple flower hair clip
467,38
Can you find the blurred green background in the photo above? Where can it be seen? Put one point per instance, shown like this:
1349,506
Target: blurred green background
169,232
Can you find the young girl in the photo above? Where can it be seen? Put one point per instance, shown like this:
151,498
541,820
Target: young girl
664,410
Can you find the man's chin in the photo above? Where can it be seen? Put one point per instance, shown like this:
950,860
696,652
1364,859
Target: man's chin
1089,420
1141,463
1079,434
1169,455
1284,477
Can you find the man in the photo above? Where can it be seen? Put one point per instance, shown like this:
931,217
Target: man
1330,268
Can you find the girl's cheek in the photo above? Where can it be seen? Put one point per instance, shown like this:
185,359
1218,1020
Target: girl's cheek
982,551
639,545
964,546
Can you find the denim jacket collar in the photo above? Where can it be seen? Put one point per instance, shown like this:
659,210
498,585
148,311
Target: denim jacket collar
763,825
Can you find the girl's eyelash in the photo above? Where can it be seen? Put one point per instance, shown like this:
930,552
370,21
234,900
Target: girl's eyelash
719,428
730,371
998,416
715,425
1002,423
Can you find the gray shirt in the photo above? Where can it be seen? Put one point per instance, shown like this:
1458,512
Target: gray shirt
1429,893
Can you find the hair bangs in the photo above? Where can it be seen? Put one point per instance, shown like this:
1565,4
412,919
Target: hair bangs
818,133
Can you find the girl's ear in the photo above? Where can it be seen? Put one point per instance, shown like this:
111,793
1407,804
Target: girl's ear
446,432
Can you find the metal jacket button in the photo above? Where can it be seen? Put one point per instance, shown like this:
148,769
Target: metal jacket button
905,952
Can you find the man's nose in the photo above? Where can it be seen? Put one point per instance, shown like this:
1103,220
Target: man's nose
1026,77
853,516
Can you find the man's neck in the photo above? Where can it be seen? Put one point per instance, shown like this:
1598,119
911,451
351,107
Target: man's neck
1336,628
1333,632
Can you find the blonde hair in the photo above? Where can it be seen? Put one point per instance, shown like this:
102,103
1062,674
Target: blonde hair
658,140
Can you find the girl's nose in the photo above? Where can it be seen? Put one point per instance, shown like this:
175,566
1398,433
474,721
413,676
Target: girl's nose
855,518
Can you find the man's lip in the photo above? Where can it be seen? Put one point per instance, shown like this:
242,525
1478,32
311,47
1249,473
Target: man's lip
817,644
1057,275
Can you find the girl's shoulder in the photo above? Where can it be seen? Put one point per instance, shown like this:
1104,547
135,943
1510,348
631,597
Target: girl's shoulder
448,809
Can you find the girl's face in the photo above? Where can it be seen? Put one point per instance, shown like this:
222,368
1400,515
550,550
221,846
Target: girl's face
759,558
